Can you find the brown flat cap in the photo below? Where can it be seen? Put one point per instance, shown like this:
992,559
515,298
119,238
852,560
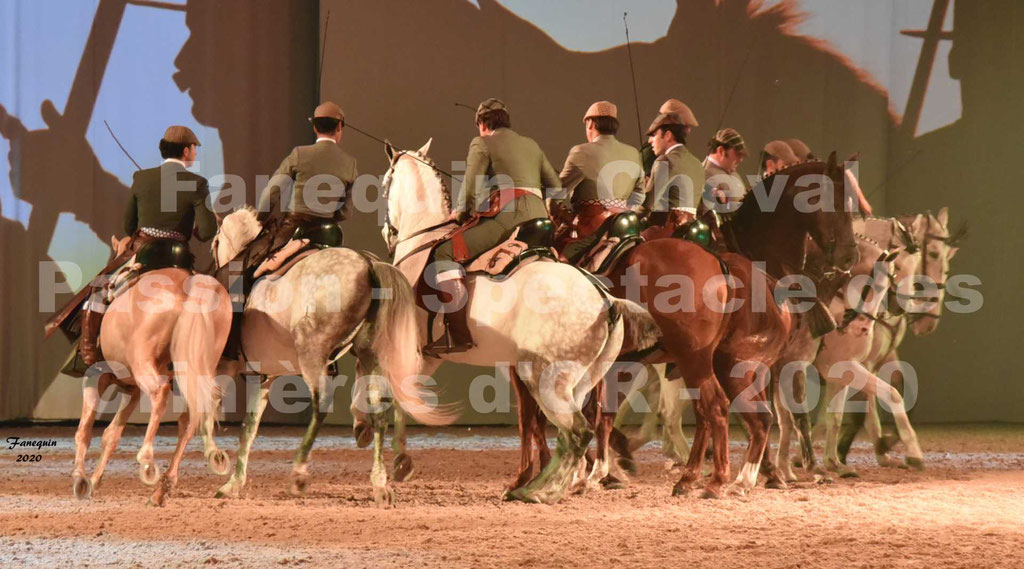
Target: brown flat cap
602,109
665,119
729,138
802,151
781,151
181,135
328,110
681,109
488,105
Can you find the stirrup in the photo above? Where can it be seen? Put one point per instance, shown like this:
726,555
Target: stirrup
443,345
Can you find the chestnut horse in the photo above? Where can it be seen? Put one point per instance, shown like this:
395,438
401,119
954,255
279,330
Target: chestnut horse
772,226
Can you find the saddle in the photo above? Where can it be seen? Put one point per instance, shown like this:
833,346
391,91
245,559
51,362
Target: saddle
618,235
305,241
529,241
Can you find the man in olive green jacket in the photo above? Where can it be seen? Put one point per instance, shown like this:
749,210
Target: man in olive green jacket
166,203
504,186
316,179
598,177
676,184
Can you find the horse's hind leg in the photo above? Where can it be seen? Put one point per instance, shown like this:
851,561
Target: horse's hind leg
149,473
216,459
112,434
92,389
255,405
837,395
552,390
402,463
314,371
383,494
527,411
186,430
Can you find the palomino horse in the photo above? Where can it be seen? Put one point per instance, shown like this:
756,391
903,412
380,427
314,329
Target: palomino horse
926,250
169,317
557,332
335,299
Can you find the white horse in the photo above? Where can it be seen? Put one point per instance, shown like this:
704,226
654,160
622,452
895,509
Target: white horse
547,321
926,250
326,303
839,358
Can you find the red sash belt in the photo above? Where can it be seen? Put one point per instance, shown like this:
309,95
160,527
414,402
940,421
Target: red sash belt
496,203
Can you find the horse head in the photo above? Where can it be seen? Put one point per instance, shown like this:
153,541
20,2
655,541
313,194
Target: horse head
237,230
937,247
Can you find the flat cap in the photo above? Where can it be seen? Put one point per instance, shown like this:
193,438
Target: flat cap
602,109
180,135
681,109
328,110
488,105
781,151
664,119
802,151
729,138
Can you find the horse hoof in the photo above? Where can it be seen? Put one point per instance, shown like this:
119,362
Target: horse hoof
519,495
915,463
363,433
82,488
219,463
849,473
680,490
886,443
384,497
149,473
711,494
776,484
627,464
797,463
612,483
403,467
226,492
886,461
299,485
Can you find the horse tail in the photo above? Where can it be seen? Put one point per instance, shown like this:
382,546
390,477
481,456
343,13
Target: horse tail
640,329
197,342
396,344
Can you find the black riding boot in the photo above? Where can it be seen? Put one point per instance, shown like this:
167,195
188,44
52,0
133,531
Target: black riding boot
457,337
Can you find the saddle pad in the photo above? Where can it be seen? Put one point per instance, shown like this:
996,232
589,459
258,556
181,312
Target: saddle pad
282,259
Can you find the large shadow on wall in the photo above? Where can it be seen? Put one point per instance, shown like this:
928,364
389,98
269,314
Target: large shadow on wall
250,70
972,166
398,68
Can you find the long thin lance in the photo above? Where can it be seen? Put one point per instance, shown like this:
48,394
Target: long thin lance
632,74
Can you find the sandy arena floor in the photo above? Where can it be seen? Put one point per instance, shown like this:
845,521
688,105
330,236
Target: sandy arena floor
965,510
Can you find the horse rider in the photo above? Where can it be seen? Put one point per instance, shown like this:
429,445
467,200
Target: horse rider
506,176
726,151
680,108
598,178
305,198
676,184
777,155
167,202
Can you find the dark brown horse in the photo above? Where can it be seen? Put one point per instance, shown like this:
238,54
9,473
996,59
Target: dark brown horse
804,200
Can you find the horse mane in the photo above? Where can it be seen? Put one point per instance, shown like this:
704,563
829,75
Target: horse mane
750,209
429,162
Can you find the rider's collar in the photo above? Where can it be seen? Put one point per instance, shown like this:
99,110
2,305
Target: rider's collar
176,161
325,139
